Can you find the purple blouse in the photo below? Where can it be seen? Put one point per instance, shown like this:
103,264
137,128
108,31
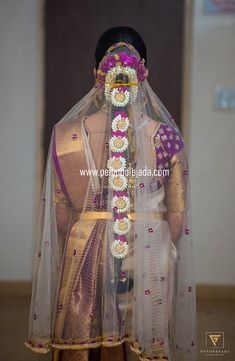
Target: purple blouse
168,141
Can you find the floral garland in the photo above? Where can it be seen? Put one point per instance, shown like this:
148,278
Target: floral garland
120,95
118,182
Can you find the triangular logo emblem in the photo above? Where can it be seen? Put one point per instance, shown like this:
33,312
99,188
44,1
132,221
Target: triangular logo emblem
214,338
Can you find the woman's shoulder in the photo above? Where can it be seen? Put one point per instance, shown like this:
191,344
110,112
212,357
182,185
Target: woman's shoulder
169,138
96,122
91,123
62,126
168,129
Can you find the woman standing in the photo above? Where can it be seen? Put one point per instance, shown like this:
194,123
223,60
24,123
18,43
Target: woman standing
113,271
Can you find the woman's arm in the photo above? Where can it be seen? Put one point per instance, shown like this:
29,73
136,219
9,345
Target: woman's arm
176,188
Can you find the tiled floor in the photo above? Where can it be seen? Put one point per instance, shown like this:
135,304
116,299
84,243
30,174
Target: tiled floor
212,316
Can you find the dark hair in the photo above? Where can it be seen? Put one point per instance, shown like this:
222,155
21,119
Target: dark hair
115,35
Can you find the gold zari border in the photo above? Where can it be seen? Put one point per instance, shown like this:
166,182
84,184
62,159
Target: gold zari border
135,346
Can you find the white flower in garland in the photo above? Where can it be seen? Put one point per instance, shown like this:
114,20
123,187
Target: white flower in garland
116,164
111,76
121,204
119,249
122,226
120,123
120,98
118,182
118,144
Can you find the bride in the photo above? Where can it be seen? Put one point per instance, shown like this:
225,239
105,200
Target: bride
113,274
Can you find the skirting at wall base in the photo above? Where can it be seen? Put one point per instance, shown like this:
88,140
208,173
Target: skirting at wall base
15,288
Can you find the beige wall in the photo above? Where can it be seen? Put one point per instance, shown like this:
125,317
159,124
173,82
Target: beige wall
212,148
20,89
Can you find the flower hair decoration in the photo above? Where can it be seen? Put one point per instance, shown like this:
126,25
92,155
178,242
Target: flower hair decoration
121,72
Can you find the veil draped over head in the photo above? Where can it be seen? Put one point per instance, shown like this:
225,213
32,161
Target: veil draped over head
113,260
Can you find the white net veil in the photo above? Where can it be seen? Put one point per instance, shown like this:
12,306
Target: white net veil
114,260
